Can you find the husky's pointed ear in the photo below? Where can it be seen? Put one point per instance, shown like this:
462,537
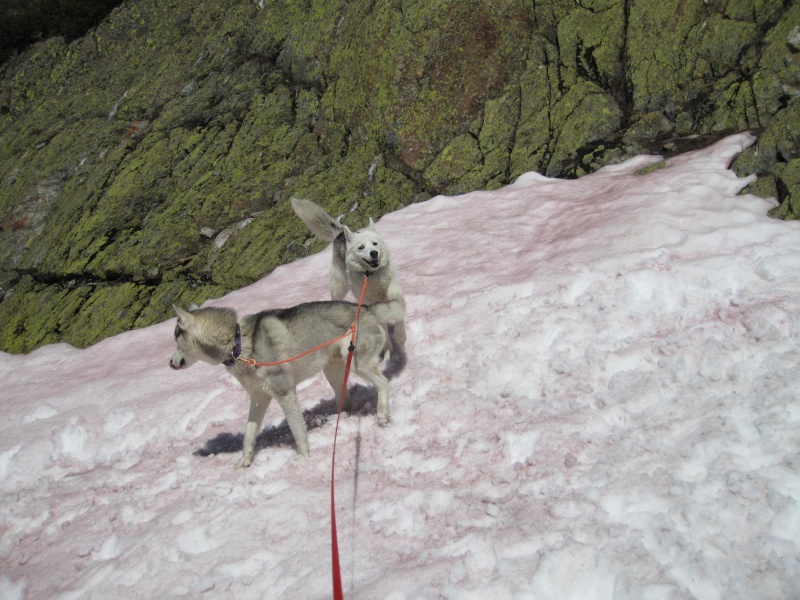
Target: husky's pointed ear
184,316
348,235
193,306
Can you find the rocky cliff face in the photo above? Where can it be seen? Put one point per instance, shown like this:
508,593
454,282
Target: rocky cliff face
152,160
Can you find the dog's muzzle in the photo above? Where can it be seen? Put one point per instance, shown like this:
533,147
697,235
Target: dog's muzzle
179,366
374,259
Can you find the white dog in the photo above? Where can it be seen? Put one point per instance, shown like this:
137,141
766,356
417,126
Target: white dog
354,256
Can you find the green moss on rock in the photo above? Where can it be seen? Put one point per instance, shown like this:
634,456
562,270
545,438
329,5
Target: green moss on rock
657,166
152,161
676,49
586,113
457,159
787,187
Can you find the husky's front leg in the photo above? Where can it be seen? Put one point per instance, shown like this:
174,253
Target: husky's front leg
259,401
294,417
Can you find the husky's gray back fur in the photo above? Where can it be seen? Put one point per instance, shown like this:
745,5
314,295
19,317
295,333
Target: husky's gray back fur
209,335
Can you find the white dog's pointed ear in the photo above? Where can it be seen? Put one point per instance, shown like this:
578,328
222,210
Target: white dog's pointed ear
348,235
371,225
184,316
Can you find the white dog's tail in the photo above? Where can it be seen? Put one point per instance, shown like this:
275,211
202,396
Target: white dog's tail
388,312
318,221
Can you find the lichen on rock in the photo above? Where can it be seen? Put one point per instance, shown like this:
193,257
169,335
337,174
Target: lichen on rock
151,161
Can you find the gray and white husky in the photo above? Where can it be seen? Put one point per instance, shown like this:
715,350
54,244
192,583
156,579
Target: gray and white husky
213,335
356,254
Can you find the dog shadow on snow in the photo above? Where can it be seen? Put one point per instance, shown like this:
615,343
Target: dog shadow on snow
364,400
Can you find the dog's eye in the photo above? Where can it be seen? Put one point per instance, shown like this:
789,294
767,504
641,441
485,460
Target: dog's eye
374,243
361,247
178,332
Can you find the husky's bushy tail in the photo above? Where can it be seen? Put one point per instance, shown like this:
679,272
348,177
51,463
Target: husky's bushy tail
317,220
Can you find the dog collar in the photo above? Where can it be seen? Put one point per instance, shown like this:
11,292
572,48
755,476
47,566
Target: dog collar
237,348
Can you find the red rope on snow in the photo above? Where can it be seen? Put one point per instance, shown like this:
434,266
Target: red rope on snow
337,573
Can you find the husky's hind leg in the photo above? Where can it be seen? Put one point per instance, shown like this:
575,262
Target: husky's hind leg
370,370
381,384
372,341
334,373
399,333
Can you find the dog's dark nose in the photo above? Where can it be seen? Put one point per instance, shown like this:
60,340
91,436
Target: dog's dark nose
374,254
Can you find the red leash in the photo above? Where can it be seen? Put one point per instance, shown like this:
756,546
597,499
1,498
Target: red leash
337,573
